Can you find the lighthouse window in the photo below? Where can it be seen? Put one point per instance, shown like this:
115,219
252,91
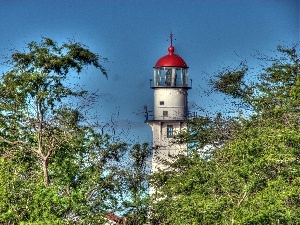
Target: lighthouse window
165,113
169,131
169,77
161,102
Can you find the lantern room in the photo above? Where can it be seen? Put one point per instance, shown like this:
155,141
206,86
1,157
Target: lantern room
170,71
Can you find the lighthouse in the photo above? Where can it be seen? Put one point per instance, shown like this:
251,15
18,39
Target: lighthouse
170,85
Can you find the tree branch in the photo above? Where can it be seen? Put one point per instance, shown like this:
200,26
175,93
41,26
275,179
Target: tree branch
240,201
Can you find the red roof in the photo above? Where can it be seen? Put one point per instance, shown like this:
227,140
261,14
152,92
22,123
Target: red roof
171,60
115,218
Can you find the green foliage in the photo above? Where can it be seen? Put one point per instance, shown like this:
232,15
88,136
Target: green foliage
54,164
134,179
252,173
207,133
232,82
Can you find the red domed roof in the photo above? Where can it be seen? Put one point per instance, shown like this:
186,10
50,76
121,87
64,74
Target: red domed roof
171,60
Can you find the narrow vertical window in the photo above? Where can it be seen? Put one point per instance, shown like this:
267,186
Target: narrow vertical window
165,113
169,131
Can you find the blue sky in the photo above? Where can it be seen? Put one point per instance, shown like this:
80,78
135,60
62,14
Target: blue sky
133,35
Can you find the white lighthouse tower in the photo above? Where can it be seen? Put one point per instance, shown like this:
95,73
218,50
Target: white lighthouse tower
169,116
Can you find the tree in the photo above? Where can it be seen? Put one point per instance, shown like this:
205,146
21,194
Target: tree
252,175
54,165
134,176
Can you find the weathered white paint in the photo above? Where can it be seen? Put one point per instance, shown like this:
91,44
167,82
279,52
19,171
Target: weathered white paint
172,101
164,149
170,110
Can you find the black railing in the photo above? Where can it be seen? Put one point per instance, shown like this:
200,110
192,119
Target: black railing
188,115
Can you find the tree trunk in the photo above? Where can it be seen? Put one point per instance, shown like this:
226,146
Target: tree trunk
46,173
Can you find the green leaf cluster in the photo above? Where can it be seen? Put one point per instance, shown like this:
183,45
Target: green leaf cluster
55,166
241,170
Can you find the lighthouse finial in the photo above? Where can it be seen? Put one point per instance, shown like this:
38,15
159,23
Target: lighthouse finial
171,38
